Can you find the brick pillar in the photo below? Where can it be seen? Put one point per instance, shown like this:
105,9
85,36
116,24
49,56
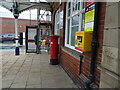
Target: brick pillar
110,61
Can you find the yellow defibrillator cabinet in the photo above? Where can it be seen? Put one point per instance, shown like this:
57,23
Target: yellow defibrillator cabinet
83,40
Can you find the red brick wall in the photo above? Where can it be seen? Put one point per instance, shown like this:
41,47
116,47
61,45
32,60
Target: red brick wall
8,25
0,26
100,38
71,64
55,7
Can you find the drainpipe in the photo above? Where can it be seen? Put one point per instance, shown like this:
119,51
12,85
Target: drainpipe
95,45
81,59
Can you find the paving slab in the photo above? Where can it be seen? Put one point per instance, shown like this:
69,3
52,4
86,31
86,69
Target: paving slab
32,70
6,83
33,86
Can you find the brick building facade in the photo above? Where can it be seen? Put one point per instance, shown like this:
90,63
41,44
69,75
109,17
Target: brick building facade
110,72
77,64
8,25
79,68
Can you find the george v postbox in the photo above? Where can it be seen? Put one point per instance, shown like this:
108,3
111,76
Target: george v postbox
54,49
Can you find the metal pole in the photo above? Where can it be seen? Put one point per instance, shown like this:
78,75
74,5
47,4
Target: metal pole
16,31
16,36
16,15
38,33
30,17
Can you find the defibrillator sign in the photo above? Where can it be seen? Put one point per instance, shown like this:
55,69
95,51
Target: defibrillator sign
89,17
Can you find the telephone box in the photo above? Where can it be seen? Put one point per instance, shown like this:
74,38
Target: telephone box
83,40
31,35
54,49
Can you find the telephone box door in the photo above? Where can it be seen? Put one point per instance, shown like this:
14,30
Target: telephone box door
31,35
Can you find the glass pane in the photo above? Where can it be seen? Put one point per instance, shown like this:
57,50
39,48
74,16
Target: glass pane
73,32
69,4
68,30
73,6
75,20
83,5
31,46
58,26
31,34
69,12
78,5
83,22
58,32
57,16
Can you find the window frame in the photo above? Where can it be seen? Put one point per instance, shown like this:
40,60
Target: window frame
73,13
56,29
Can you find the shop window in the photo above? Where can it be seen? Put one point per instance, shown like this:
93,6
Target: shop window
75,11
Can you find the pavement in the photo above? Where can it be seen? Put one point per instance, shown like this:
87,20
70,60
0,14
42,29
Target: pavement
30,70
9,47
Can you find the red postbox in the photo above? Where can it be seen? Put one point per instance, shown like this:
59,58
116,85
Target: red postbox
47,40
54,49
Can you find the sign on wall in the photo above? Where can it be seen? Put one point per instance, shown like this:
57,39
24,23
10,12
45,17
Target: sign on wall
89,15
89,2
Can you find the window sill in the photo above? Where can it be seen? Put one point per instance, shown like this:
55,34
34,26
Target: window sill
73,48
72,52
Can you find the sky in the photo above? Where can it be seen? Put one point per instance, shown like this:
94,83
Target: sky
24,15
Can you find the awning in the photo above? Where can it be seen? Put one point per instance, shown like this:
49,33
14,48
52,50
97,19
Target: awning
23,6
